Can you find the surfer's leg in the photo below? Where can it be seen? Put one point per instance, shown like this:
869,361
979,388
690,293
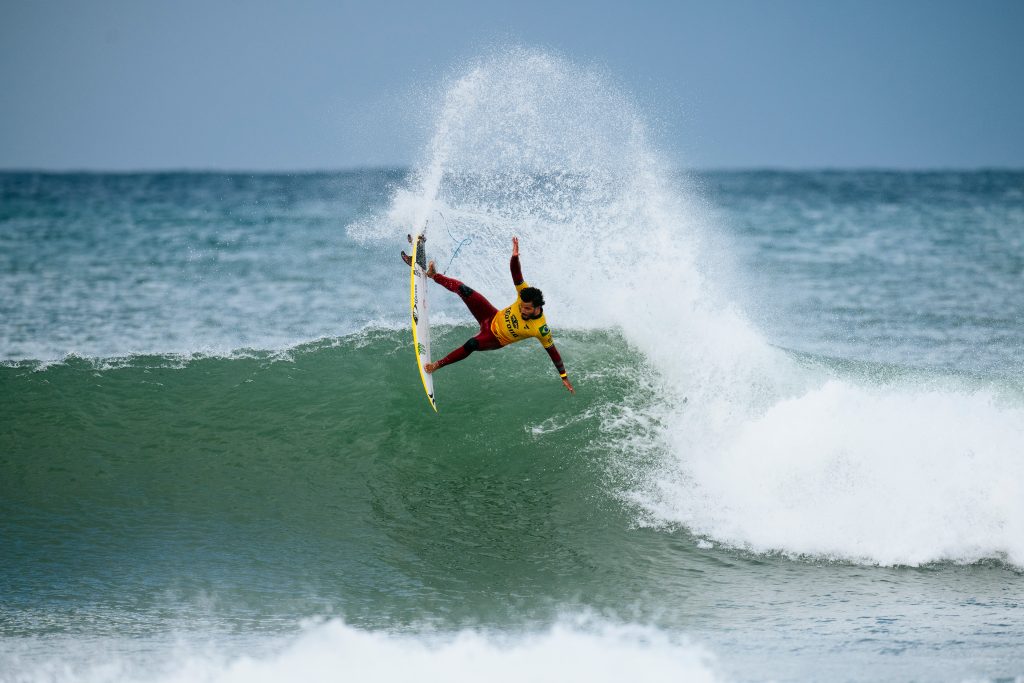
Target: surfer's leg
479,306
449,283
457,355
485,341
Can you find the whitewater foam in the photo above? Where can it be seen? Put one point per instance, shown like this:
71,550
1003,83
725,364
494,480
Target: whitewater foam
877,475
334,650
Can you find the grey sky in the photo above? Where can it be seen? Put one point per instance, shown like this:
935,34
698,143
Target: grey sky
323,85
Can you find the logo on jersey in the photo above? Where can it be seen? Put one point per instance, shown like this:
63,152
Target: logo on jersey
511,322
544,331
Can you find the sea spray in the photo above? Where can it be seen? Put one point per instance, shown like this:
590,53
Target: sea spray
756,450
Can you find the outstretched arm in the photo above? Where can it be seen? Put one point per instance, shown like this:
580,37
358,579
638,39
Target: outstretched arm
517,271
556,358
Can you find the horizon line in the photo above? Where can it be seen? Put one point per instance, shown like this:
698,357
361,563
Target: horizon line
393,168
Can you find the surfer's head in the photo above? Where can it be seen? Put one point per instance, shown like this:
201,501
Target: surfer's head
532,305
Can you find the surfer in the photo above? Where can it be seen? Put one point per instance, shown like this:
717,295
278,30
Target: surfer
519,320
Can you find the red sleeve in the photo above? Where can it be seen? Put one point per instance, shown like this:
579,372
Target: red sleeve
517,271
556,358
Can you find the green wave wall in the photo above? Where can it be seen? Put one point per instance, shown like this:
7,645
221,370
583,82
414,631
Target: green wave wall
320,476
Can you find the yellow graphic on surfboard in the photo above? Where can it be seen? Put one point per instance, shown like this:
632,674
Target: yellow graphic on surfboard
421,312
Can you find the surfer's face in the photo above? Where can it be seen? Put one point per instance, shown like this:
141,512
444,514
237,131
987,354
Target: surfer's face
530,311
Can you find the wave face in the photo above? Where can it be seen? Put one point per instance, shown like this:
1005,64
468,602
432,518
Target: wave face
758,450
291,483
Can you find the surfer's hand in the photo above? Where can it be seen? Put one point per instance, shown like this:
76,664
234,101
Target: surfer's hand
515,246
431,270
430,367
568,385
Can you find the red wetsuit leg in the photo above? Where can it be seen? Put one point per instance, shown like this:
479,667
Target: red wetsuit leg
482,310
479,306
484,341
449,283
453,357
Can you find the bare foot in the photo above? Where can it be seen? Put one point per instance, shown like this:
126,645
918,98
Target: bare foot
431,270
429,368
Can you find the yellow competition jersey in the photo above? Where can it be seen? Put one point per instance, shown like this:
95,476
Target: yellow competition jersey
509,327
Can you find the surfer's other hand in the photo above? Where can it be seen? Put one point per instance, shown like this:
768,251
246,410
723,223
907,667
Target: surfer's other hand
568,385
515,246
429,368
431,270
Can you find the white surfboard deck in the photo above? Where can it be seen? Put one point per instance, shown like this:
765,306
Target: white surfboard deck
421,313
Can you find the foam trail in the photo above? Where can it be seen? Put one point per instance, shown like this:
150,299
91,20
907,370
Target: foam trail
335,651
762,453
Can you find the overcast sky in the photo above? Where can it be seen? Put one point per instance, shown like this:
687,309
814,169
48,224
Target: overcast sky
319,84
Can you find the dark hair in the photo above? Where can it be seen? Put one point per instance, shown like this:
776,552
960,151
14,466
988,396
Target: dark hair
533,295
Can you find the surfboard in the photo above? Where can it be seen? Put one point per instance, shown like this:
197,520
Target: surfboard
421,312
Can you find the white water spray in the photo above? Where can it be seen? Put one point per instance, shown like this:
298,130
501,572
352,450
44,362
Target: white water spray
763,454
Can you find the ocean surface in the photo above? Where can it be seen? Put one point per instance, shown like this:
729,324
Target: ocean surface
796,450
